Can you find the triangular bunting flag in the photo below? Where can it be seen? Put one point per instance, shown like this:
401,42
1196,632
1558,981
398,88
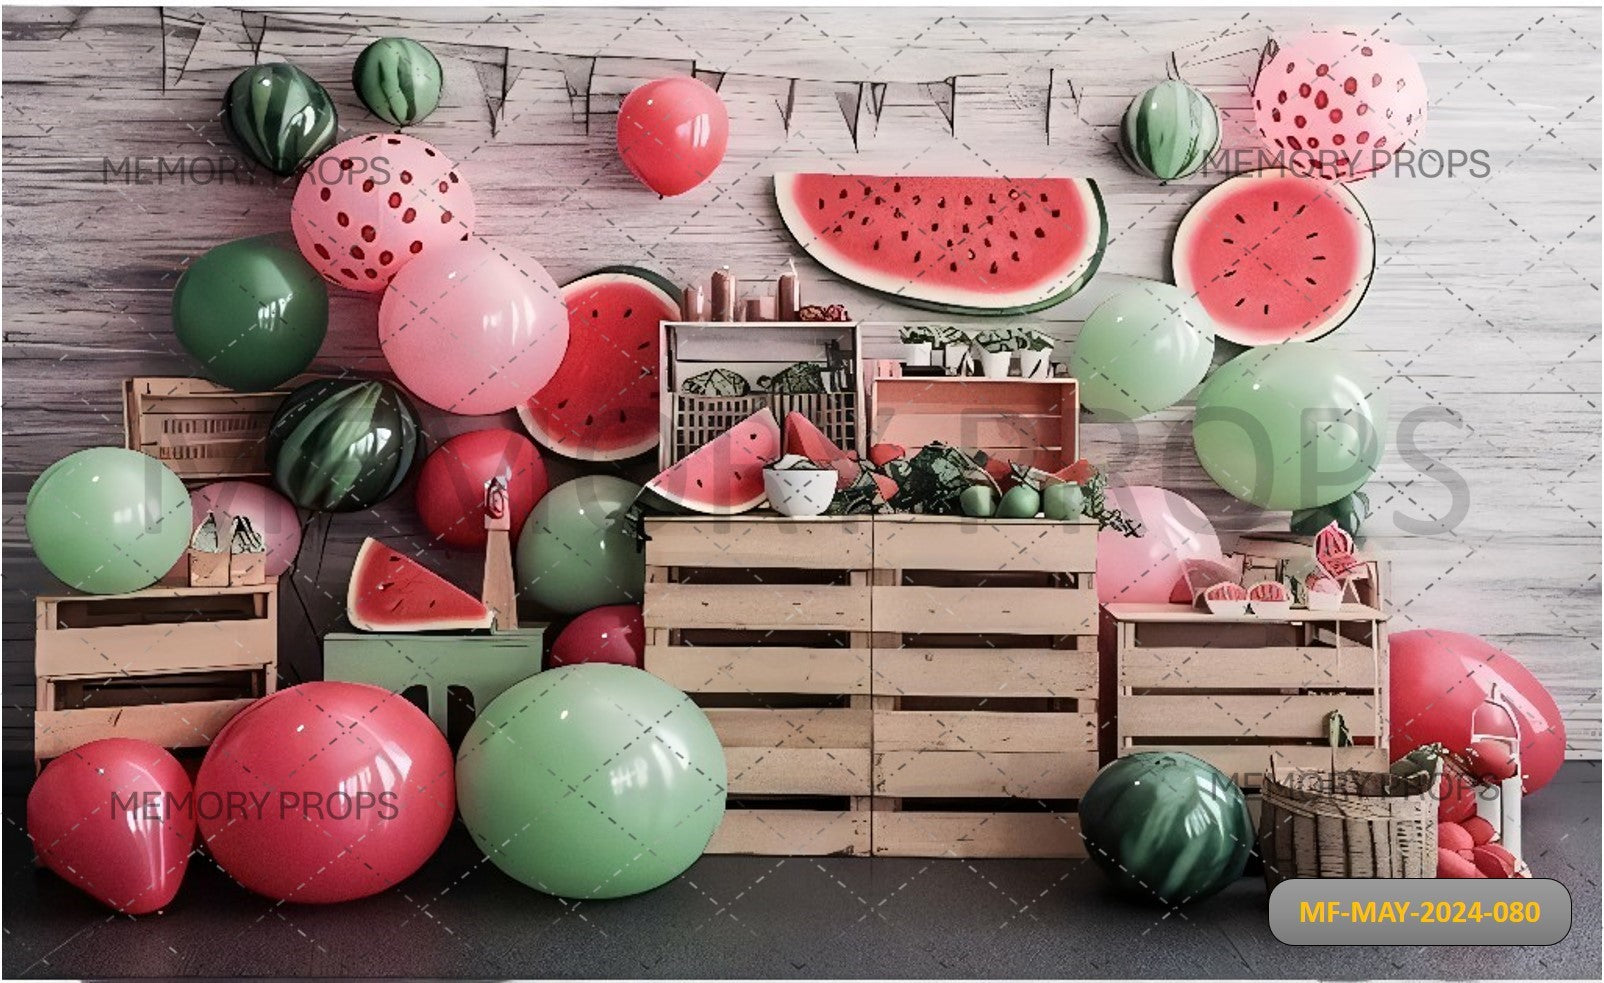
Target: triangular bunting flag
851,101
788,106
179,35
493,79
945,95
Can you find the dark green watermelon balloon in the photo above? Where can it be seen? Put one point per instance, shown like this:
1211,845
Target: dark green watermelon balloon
1166,827
341,445
399,79
1349,512
252,311
279,115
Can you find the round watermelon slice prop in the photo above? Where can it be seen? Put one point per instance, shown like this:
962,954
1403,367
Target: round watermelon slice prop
1275,257
602,403
960,245
392,592
725,475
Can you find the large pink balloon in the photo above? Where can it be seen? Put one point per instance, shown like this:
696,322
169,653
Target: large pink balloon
672,134
1143,569
113,818
474,328
372,205
272,515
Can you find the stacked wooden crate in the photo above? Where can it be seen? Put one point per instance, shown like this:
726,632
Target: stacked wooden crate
199,429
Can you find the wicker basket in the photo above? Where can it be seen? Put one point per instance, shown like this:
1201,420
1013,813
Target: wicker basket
1328,823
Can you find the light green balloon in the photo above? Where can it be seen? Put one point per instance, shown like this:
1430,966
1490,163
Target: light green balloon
1290,426
592,781
576,552
108,520
1142,350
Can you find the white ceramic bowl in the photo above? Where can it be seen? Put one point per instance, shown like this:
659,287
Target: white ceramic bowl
1225,607
799,492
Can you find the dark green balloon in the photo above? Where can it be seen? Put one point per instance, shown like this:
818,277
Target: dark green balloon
280,116
1166,827
398,79
1348,512
341,445
253,312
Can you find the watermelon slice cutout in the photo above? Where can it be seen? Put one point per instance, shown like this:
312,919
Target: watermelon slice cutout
602,405
802,437
392,592
1275,257
961,245
725,475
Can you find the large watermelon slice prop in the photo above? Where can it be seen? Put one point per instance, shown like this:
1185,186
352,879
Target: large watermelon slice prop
602,403
1275,257
392,592
725,475
962,245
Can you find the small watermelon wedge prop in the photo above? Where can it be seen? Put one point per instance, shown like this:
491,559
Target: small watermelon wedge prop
602,405
725,475
392,592
802,437
960,245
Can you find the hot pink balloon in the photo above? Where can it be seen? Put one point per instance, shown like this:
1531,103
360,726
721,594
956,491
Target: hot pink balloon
1143,569
113,818
474,328
272,515
1339,105
672,134
373,204
614,633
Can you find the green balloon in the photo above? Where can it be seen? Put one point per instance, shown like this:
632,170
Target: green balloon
1291,426
592,781
108,520
1348,512
342,445
1169,131
398,79
576,552
1166,827
253,312
279,115
1141,350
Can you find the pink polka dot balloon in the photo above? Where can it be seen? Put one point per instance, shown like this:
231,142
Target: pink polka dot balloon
1339,105
372,204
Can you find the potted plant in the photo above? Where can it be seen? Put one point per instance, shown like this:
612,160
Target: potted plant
953,345
997,346
1035,353
917,341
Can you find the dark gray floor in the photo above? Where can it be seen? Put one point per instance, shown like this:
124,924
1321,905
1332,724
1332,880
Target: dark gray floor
764,917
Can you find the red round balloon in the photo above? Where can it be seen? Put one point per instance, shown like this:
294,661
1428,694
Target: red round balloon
1439,678
325,792
672,134
451,484
614,633
113,818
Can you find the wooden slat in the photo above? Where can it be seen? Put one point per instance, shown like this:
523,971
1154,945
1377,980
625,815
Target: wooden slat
980,545
1181,614
1248,668
1247,764
985,672
1300,717
984,730
766,542
791,728
798,771
147,649
792,833
965,774
909,833
168,725
759,606
1004,610
754,669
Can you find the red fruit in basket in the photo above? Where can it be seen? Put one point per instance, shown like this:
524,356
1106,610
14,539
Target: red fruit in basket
1490,761
1452,836
1480,830
883,454
1451,864
1494,861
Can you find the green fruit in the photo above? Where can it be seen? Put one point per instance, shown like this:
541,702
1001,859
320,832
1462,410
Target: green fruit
1063,501
1170,131
1019,502
341,445
978,501
398,79
280,116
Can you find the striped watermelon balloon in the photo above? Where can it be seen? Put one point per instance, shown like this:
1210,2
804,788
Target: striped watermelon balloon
398,79
1170,131
279,115
342,445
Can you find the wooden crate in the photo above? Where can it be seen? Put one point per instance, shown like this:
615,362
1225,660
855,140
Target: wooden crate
201,430
1237,690
764,622
1266,557
169,665
985,685
1028,421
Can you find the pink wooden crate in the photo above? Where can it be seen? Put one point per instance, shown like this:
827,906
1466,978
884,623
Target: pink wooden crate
1028,421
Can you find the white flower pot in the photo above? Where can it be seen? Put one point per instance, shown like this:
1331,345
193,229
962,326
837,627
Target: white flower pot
955,358
994,365
1034,364
800,492
916,353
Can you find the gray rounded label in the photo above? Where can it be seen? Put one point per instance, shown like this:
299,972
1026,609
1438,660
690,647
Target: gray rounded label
1400,911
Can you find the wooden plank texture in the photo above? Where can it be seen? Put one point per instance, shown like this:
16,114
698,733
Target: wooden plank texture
908,833
822,544
1248,764
1259,717
992,730
1248,668
792,832
171,725
754,669
980,774
985,672
773,607
918,543
1004,610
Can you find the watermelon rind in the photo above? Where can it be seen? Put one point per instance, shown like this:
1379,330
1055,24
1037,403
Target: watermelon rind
931,297
364,607
677,486
1193,224
568,445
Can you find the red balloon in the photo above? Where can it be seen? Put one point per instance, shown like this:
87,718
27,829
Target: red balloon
672,134
1439,678
613,634
451,484
113,818
325,792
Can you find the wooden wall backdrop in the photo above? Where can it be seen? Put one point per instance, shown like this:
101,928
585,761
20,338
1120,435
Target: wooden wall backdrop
1485,306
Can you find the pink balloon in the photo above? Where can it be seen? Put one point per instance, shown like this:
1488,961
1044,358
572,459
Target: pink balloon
373,204
474,328
1143,569
274,518
113,818
614,633
1339,105
672,134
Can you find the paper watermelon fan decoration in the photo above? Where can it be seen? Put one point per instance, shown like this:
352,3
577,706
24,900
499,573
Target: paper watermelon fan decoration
1275,257
961,245
602,405
392,592
725,475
